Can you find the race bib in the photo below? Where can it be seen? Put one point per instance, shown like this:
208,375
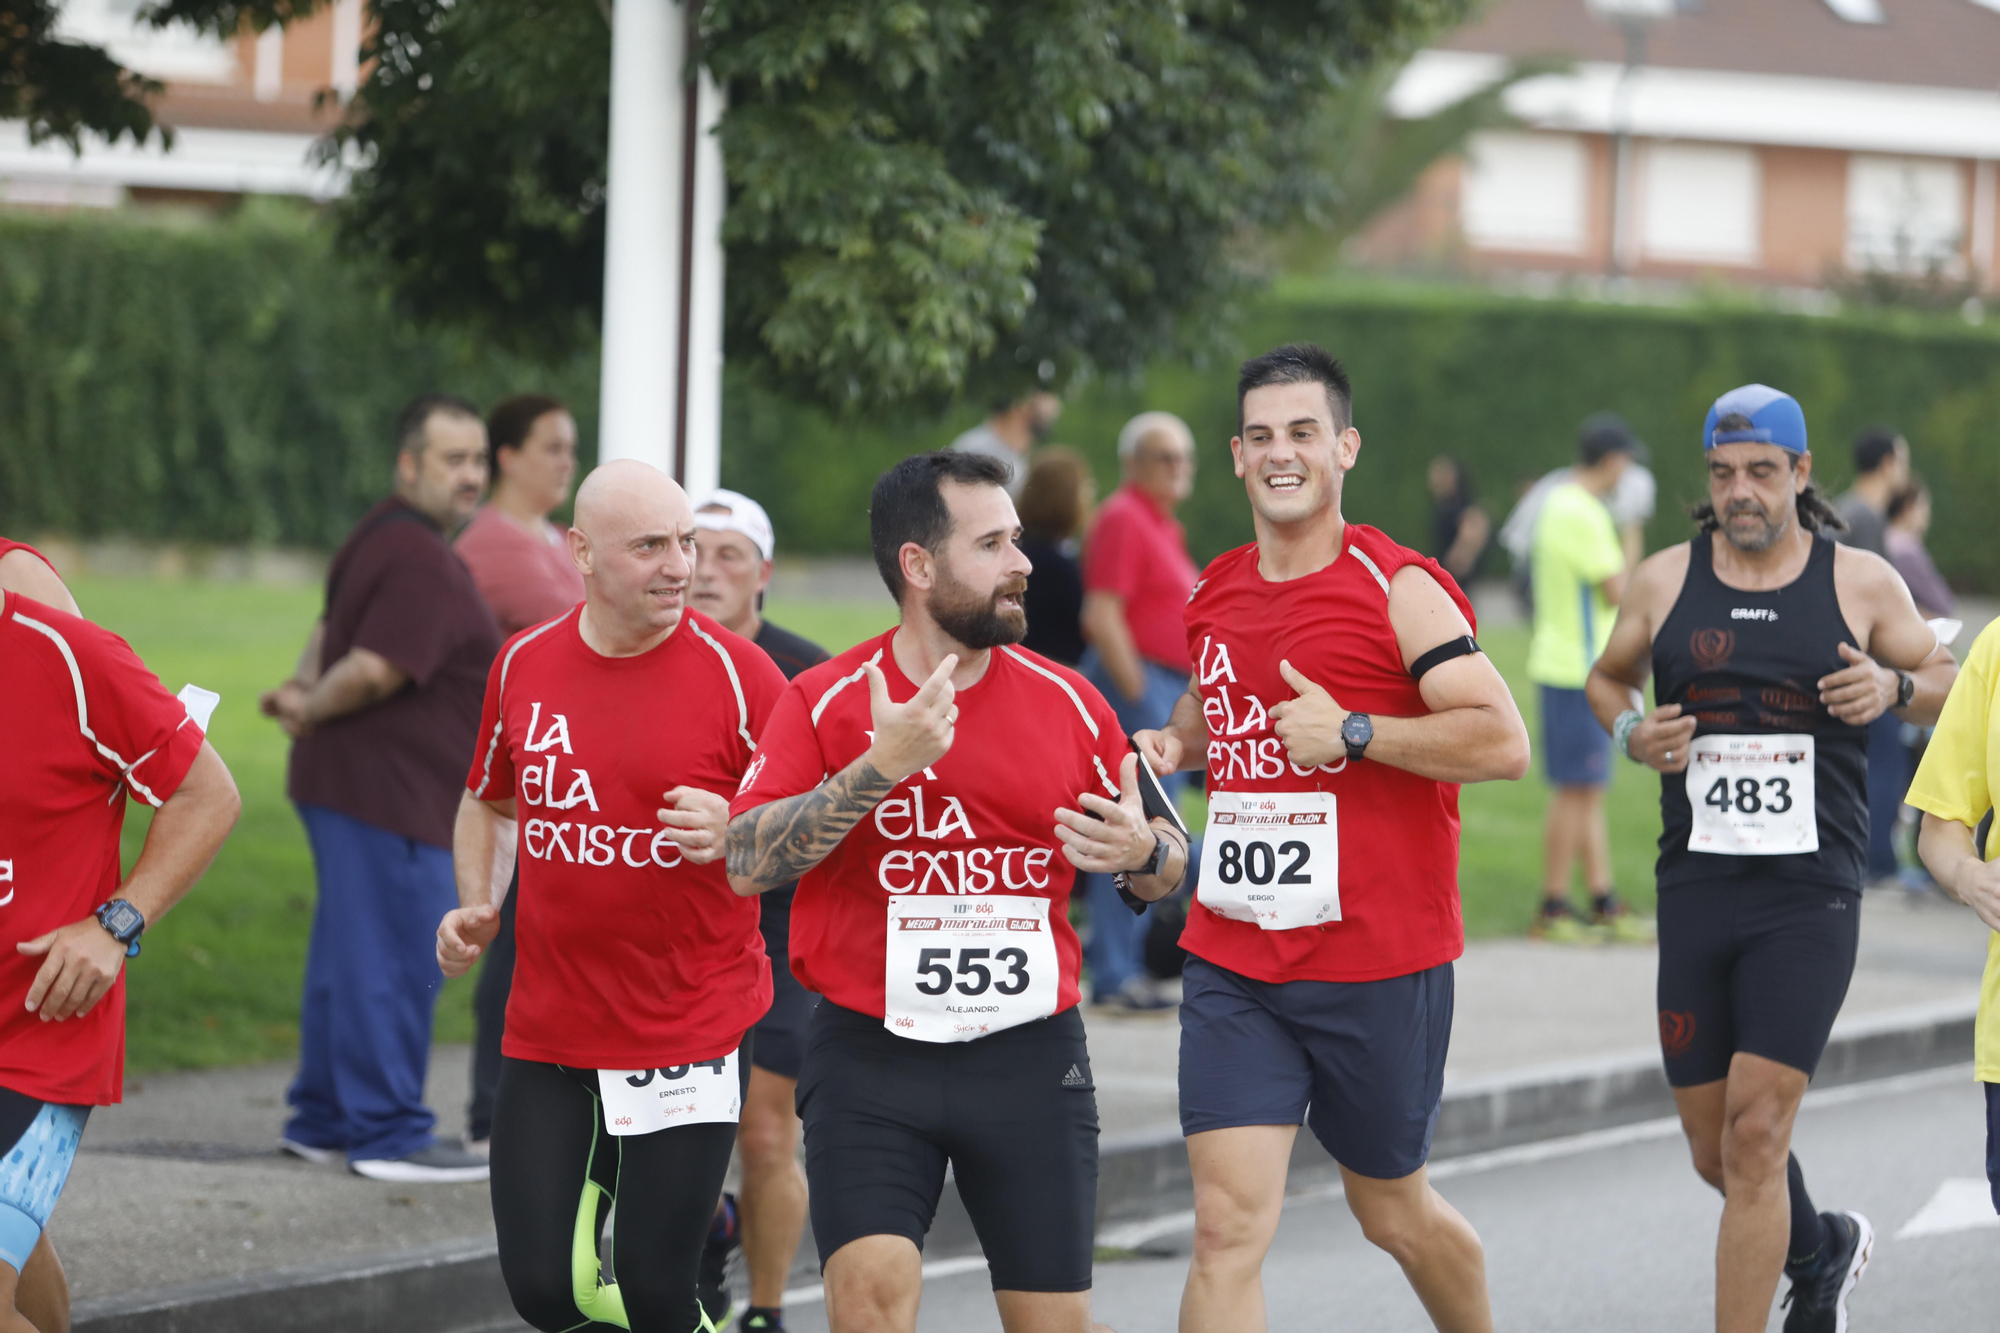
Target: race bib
639,1101
1272,858
959,968
1752,795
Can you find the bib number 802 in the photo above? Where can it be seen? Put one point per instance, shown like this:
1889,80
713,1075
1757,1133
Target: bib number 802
935,974
1772,796
1254,861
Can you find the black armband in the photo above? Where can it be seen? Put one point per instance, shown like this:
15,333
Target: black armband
1444,652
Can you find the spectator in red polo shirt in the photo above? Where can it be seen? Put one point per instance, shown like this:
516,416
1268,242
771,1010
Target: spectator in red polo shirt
1137,576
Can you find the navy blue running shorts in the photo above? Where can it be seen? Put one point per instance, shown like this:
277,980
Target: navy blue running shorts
1575,746
781,1032
1360,1063
1993,1140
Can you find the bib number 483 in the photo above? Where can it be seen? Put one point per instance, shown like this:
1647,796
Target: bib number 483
974,975
1772,796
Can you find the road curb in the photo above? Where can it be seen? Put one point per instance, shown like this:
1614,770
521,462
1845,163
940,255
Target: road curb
455,1287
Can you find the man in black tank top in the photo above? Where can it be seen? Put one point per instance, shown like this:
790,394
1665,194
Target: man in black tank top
1772,650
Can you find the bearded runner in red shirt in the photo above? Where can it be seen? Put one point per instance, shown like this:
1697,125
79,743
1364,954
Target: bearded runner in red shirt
87,726
638,972
1320,983
934,792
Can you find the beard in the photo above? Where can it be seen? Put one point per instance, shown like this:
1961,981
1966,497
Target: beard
1762,538
975,621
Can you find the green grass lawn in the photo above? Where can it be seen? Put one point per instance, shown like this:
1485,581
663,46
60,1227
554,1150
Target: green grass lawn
218,982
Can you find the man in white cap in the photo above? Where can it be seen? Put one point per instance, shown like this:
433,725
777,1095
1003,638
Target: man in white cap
734,544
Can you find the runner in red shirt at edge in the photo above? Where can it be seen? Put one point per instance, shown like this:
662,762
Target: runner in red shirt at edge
1319,987
87,727
638,973
934,791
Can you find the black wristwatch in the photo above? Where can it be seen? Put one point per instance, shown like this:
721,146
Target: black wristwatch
1357,731
125,922
1906,689
1123,879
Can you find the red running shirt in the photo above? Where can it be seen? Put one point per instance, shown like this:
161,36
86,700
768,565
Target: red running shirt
1032,736
1398,833
85,718
7,547
628,956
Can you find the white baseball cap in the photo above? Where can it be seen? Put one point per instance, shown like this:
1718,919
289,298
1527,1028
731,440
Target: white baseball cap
740,514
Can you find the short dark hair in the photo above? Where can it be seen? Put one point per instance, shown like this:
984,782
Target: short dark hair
1900,502
1873,447
1298,363
417,414
908,505
513,419
1051,503
1601,434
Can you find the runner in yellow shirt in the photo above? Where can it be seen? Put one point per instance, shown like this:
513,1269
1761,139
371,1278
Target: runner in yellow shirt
1954,789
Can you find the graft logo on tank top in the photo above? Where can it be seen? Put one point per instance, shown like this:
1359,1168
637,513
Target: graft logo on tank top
577,840
1239,743
1712,647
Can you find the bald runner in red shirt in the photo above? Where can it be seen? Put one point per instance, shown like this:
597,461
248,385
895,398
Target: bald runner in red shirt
613,734
1337,700
934,792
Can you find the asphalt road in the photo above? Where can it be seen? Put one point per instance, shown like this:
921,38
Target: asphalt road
1605,1231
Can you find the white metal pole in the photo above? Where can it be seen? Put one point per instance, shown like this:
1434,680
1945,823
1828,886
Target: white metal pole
642,240
701,455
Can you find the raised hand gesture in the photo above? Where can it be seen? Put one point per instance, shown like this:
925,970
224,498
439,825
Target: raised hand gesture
911,736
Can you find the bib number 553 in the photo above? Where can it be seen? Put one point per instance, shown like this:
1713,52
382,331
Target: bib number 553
975,976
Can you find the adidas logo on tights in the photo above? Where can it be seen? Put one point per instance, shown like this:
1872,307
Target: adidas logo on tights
1074,1078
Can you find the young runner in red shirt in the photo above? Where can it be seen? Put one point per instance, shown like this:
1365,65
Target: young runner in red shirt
934,791
1320,983
638,972
87,723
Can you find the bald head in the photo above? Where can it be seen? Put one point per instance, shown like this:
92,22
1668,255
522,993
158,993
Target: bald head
633,541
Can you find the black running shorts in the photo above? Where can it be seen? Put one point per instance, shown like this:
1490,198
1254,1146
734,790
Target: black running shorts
1753,966
781,1032
1013,1114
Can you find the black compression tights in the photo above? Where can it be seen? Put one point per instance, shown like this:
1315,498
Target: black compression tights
549,1144
1808,1231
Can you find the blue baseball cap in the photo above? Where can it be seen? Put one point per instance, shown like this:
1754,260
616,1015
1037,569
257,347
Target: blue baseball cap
1775,418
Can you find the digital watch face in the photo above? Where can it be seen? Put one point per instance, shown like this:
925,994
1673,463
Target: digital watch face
123,920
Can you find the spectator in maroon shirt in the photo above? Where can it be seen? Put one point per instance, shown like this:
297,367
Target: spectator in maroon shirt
383,710
1137,576
520,561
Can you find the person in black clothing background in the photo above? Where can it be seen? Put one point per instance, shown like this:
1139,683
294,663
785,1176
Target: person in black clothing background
1460,529
734,543
1054,509
1771,651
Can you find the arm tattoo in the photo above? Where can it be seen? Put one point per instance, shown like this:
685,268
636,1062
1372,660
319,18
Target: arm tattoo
776,843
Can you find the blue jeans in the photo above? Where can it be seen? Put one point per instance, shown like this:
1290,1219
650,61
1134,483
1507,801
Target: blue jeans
1888,783
1115,953
372,984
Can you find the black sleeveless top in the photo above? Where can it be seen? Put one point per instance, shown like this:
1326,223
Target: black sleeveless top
1748,662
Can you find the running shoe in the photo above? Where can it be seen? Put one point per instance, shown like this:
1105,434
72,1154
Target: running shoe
308,1153
725,1242
1819,1303
1613,918
441,1162
1558,923
762,1321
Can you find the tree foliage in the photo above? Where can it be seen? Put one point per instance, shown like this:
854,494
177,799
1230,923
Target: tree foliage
925,197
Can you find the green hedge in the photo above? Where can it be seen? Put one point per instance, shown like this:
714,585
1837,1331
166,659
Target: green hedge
225,383
235,382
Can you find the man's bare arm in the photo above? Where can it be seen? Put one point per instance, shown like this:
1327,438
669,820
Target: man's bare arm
775,844
1617,681
1104,625
1183,742
1895,636
1473,732
24,573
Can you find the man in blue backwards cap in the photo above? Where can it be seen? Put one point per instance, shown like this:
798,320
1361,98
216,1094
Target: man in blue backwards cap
1772,649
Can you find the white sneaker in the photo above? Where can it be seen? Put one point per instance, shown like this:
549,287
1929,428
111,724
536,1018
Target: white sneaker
435,1164
306,1152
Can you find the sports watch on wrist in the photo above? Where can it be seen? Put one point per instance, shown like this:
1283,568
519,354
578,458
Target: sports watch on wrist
125,922
1357,731
1906,689
1123,879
